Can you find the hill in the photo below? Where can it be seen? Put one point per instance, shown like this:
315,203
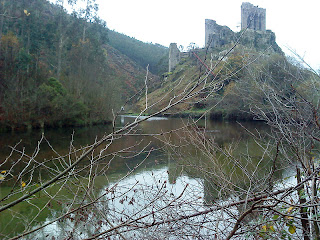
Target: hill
154,55
60,69
232,78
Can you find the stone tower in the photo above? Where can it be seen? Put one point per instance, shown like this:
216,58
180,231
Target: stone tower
216,35
174,56
253,17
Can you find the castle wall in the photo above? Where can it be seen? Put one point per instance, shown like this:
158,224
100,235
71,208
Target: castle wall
174,56
216,35
253,17
209,31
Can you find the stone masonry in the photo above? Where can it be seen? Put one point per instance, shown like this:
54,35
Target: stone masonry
174,56
253,17
216,35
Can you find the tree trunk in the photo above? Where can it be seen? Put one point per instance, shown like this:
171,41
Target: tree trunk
303,211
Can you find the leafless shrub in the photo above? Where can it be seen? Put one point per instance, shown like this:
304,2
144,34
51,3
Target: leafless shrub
241,200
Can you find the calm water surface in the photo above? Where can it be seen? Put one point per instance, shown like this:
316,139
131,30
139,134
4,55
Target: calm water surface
173,159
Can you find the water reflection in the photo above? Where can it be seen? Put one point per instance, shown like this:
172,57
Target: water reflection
179,155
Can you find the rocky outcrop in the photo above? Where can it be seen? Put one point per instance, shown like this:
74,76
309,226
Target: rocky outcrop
261,41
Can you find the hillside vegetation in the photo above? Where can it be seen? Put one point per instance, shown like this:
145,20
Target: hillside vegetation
154,55
237,83
59,69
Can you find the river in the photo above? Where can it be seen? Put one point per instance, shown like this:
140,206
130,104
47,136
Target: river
161,152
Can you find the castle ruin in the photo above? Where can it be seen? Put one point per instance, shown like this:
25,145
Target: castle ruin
174,56
216,35
253,17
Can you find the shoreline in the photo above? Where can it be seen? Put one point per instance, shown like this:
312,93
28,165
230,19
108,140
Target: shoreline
217,115
29,126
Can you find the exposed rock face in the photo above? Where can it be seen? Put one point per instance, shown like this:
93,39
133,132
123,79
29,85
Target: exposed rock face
253,17
263,41
216,35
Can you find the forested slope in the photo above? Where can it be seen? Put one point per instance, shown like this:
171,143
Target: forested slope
59,69
154,55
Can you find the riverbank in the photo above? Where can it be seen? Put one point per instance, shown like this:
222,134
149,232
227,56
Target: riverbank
28,126
220,115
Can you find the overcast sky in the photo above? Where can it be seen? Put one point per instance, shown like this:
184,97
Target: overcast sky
295,23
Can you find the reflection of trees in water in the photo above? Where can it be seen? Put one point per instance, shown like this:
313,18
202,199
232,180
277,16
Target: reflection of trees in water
228,168
182,154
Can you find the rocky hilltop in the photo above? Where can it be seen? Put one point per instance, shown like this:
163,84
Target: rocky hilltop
234,68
